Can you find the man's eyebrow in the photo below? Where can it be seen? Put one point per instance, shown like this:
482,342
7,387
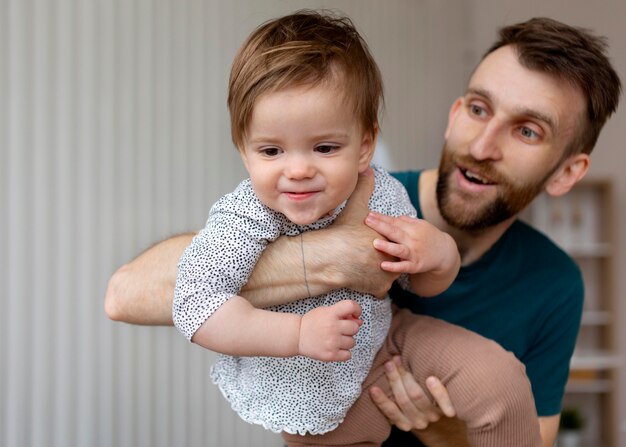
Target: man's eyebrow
548,120
478,91
525,111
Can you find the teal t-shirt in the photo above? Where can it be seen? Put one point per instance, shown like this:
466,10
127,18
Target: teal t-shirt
525,293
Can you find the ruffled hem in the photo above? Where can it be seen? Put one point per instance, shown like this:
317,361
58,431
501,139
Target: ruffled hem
290,430
319,428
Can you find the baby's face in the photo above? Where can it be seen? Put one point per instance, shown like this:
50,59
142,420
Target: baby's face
303,150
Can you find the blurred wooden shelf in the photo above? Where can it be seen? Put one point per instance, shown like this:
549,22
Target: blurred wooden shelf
595,361
582,223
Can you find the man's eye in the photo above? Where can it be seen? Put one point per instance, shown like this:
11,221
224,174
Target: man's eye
477,110
529,133
326,148
270,151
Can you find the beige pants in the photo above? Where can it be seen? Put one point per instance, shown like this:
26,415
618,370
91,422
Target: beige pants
487,385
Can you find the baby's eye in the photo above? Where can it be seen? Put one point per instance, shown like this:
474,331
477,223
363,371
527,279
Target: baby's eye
270,151
326,148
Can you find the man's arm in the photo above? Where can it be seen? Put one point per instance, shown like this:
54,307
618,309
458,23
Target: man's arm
141,292
549,427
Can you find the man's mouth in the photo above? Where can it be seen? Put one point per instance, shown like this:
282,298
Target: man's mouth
474,177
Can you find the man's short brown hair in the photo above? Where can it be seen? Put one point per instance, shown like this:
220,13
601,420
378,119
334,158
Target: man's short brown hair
304,48
574,55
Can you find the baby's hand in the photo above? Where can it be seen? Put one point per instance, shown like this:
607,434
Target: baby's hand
428,254
418,245
327,333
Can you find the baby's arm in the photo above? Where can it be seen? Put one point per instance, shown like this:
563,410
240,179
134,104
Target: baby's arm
429,255
207,307
238,328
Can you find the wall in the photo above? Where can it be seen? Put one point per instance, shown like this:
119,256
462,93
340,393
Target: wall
113,135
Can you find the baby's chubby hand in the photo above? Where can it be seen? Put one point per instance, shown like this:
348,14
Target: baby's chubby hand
327,332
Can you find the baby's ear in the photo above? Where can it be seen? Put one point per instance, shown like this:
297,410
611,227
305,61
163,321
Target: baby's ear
368,144
568,174
244,158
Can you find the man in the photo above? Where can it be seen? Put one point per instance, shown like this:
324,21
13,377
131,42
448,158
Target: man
527,123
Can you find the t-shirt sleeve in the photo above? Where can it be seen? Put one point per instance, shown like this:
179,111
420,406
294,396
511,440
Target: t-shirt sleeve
220,259
547,363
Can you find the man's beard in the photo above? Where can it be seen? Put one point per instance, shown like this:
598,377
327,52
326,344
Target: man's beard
464,215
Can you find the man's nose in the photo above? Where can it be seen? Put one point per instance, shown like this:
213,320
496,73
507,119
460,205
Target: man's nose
486,145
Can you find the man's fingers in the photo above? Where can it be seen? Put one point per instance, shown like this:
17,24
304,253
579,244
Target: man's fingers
389,409
441,396
413,401
364,187
397,386
417,398
357,207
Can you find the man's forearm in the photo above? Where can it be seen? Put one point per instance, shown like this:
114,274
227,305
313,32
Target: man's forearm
279,276
342,255
141,292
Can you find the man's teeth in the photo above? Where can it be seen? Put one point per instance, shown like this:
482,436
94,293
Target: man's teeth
476,178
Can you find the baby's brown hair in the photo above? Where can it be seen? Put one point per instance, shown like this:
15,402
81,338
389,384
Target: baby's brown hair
304,48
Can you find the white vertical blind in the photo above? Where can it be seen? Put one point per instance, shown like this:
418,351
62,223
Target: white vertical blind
114,134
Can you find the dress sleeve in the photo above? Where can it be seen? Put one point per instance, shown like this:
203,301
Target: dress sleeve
389,196
220,259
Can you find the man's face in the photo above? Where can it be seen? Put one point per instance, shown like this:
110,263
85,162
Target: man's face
505,139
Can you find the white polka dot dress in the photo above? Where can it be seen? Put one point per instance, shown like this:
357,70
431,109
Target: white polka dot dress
296,394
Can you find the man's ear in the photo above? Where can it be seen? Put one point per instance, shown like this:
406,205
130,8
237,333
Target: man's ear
568,174
454,110
368,144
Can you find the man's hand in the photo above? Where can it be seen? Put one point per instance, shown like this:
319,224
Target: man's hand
339,256
360,268
327,333
411,408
